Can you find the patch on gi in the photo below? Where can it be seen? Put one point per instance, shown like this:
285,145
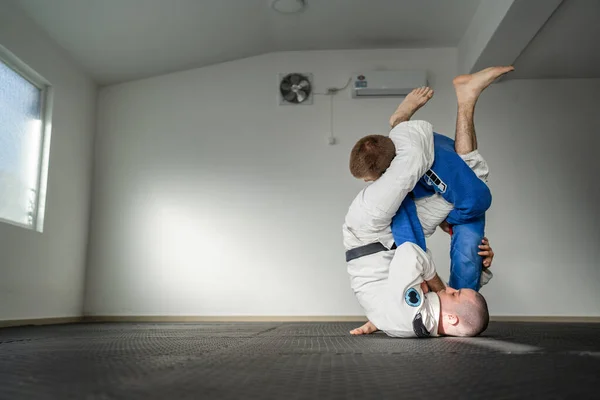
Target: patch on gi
412,297
419,327
434,180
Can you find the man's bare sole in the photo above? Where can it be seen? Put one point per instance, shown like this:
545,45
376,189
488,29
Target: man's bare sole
469,87
411,104
364,330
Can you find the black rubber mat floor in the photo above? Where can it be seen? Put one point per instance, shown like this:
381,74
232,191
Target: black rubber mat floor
296,361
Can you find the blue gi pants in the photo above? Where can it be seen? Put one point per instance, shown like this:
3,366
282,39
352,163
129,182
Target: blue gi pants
452,178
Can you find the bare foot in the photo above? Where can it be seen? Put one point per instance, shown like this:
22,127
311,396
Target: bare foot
469,87
411,103
364,330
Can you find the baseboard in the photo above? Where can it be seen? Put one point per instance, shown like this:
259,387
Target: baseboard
549,318
234,318
347,318
40,321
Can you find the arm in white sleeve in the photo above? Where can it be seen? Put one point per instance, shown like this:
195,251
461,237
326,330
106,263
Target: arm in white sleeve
477,163
414,156
486,276
410,266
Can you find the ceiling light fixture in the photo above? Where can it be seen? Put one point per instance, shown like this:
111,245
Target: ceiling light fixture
288,6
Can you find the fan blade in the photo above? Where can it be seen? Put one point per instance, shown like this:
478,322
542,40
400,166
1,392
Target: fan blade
290,96
304,84
301,95
285,86
295,79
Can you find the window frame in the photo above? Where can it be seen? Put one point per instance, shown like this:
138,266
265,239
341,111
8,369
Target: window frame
46,107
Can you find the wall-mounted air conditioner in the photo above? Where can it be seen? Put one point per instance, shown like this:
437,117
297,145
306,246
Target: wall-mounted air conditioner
371,84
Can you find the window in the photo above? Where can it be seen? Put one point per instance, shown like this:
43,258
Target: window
24,142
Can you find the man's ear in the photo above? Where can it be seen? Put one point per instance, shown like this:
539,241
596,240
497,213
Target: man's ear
451,319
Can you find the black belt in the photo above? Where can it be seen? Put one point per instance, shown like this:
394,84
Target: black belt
366,250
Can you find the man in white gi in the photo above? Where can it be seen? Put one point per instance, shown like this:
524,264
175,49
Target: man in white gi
388,283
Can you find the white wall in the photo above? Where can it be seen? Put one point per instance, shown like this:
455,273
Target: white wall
540,138
209,199
42,275
481,29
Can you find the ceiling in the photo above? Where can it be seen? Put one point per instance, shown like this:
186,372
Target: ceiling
566,46
121,40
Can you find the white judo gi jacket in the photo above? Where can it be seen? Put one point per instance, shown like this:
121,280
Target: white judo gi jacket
387,283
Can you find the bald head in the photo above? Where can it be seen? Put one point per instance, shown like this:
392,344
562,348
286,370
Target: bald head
473,315
464,312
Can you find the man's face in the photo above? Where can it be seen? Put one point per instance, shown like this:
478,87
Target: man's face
452,296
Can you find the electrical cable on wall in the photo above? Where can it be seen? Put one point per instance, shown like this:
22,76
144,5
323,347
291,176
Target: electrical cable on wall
331,137
331,92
